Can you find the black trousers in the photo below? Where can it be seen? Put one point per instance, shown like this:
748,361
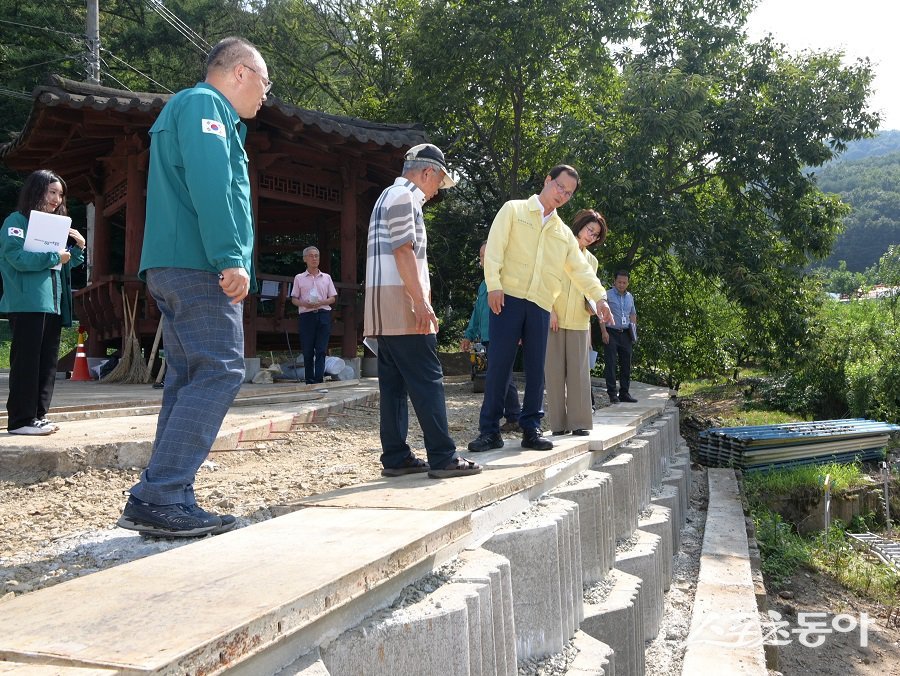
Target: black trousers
33,356
618,349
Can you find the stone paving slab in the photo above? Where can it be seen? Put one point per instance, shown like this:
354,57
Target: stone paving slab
315,561
126,441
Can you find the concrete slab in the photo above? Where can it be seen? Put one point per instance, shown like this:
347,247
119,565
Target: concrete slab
418,491
22,669
316,560
725,635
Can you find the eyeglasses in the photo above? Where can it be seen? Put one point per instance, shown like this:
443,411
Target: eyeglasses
594,234
561,190
267,83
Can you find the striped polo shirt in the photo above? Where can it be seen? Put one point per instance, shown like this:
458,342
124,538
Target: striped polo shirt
396,220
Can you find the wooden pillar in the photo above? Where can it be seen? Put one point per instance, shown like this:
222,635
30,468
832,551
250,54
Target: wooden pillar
135,205
250,304
98,256
98,259
349,210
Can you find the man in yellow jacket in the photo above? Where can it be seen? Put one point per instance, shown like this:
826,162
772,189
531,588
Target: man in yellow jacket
529,250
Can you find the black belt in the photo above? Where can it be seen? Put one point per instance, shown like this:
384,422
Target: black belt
611,328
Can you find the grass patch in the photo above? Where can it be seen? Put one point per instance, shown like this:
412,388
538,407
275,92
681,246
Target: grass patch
803,479
758,417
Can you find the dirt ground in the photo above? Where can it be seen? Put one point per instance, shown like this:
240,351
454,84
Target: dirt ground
65,527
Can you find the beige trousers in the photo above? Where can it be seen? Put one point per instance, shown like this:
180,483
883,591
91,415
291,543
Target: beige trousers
568,380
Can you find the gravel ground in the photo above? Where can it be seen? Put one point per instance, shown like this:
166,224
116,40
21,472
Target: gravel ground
65,527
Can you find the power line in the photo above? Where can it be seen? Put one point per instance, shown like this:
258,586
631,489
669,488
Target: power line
186,31
14,94
43,28
44,63
128,65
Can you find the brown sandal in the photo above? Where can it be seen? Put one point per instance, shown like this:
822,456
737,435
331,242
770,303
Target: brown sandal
457,467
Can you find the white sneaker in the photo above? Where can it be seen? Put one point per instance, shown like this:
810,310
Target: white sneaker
32,430
47,424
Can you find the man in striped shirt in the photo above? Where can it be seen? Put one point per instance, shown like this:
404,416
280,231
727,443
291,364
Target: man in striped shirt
399,315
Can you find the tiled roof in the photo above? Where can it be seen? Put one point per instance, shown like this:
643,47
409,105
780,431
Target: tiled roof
62,92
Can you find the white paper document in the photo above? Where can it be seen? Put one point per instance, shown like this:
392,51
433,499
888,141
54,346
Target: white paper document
47,232
372,344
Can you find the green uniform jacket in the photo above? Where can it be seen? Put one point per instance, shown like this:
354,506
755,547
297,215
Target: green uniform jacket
29,283
199,214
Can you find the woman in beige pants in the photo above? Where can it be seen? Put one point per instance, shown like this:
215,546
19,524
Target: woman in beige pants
566,368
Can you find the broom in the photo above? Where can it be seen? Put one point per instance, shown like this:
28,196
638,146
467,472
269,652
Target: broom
131,368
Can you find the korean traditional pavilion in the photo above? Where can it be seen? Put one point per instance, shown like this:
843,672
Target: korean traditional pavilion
314,179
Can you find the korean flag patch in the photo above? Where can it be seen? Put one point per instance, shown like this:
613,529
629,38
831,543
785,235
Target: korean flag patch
16,232
213,127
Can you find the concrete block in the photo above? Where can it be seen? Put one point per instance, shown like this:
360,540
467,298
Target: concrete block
681,482
668,496
532,548
658,460
658,522
621,468
392,642
643,471
498,644
617,622
592,492
594,657
571,577
642,557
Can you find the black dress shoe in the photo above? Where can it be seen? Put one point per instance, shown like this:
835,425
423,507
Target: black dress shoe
624,396
613,399
580,433
486,441
560,433
531,439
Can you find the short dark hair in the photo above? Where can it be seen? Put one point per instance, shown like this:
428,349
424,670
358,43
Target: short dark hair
229,52
571,171
621,273
34,190
585,216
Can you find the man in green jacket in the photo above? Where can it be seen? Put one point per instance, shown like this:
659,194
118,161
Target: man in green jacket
196,259
529,249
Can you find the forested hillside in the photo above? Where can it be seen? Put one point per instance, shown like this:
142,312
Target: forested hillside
867,177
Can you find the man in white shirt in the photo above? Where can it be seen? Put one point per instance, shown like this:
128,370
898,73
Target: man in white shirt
313,293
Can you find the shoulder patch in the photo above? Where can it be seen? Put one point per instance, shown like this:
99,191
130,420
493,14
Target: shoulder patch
16,232
213,127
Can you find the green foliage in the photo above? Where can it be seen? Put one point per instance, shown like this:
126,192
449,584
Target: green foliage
782,550
849,365
688,329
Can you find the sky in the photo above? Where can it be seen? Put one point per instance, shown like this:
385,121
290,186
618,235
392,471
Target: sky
860,27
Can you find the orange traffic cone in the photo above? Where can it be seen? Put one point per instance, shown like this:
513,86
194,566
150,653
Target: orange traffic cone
81,371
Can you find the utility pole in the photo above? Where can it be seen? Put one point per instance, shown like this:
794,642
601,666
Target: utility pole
92,36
